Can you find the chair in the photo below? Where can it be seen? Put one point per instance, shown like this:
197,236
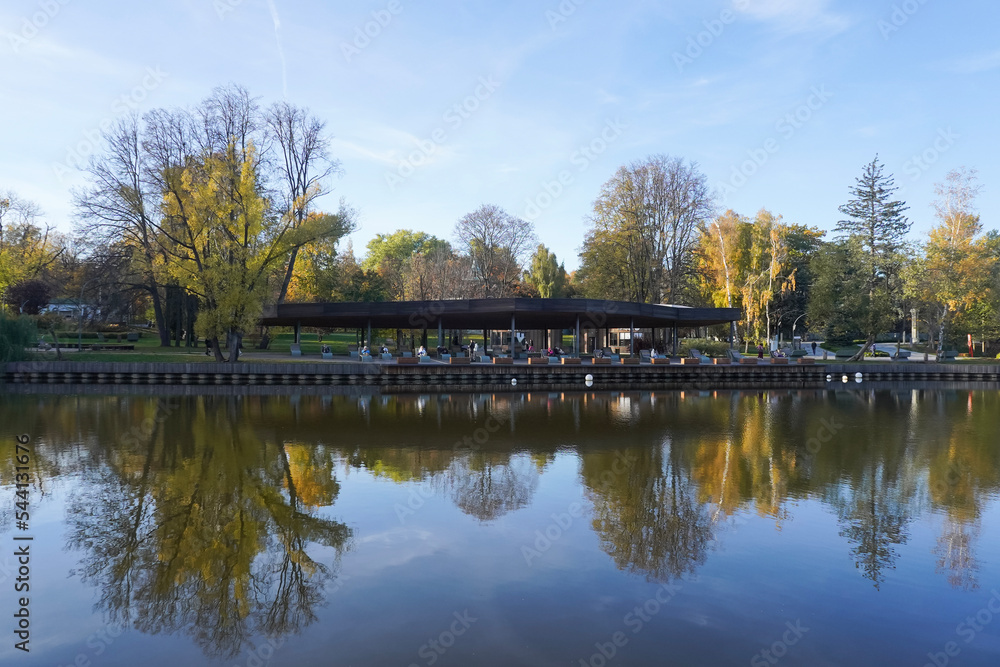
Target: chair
386,356
296,350
696,354
644,356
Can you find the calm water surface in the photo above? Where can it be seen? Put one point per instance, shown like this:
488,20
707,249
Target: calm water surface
797,528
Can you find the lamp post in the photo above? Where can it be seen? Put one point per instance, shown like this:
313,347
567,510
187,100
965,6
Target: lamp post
793,326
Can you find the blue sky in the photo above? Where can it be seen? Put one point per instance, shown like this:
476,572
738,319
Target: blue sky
444,106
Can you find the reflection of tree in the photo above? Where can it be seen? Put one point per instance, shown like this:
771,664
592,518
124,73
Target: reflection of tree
956,554
207,533
647,514
874,520
488,485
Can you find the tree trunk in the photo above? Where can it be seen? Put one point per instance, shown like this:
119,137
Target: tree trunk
217,350
235,341
158,314
860,356
288,275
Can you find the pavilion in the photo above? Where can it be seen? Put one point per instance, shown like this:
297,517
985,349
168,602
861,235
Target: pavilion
581,316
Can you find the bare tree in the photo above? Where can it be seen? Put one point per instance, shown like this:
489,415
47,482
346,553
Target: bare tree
304,166
120,208
651,212
498,244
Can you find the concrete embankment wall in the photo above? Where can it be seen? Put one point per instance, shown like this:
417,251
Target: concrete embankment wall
423,377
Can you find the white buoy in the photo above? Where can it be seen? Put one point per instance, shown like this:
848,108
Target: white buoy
513,382
829,377
845,378
589,378
858,375
589,383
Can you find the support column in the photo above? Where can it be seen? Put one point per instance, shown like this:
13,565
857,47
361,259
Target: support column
631,337
440,333
576,338
673,335
732,335
513,343
368,342
298,333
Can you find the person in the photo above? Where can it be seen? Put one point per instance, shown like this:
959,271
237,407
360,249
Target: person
384,350
760,350
653,354
365,351
814,348
599,353
208,347
473,350
325,349
422,352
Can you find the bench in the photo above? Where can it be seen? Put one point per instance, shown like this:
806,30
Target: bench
407,361
132,337
602,361
460,361
749,361
535,361
664,361
571,361
780,361
805,361
722,361
690,361
630,361
503,361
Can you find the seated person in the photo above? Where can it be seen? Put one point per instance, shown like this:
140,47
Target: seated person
365,351
653,354
326,349
599,353
384,350
422,352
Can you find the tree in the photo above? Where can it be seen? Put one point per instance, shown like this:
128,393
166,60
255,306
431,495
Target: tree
877,229
546,274
647,217
390,255
225,243
28,250
304,166
497,243
837,300
29,297
956,272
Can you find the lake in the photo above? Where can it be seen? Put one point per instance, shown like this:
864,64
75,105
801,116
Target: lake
848,526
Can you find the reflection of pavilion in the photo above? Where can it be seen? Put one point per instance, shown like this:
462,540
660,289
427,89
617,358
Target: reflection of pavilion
591,321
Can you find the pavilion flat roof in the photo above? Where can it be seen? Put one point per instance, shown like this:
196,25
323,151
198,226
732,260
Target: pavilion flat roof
495,314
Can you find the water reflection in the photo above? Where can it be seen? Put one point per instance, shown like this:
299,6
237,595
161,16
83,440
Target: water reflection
204,529
213,517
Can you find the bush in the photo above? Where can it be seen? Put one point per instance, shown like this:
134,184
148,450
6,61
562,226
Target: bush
710,348
16,335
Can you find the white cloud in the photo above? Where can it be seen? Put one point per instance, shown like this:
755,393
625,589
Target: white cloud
983,62
794,15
